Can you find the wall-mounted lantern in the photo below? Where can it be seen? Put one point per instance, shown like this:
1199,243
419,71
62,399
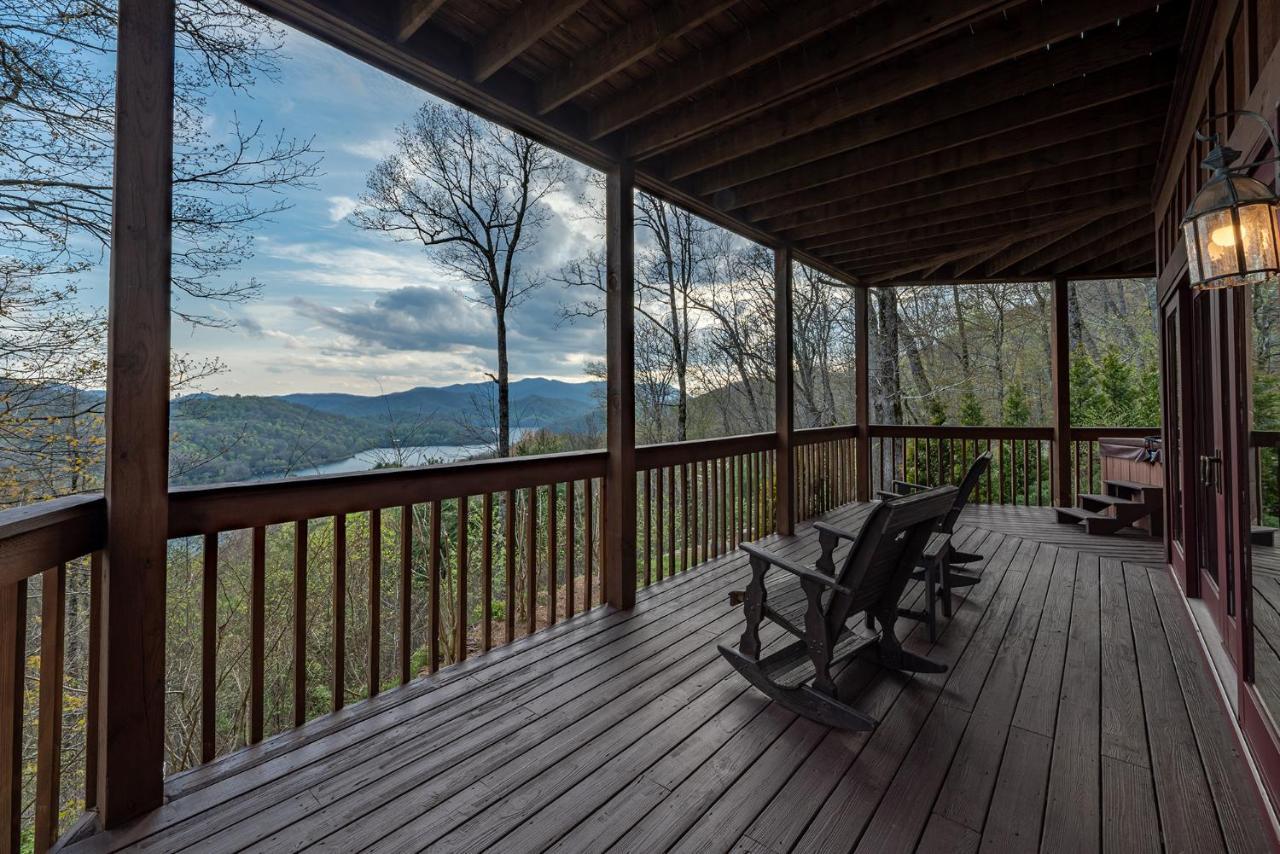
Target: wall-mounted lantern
1231,230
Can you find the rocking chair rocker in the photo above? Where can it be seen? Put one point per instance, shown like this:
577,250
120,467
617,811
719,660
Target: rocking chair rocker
870,581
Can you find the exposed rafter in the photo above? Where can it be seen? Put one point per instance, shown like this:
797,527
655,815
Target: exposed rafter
1102,236
1071,59
1035,27
632,42
1008,197
1115,151
878,35
526,24
413,14
981,163
1052,226
759,42
1038,120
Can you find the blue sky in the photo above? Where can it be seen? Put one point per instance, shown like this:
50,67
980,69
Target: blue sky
345,310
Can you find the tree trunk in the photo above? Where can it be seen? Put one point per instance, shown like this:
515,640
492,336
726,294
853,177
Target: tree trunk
504,402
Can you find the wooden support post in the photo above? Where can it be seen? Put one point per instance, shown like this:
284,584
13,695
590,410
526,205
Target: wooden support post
620,479
862,395
131,757
1060,347
782,385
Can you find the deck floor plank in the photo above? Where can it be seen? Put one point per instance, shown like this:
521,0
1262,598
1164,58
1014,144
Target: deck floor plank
1076,715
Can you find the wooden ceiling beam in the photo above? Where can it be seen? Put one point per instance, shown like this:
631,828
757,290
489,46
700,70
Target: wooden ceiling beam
1005,197
413,14
930,234
756,43
1022,125
638,38
979,163
877,36
1095,239
1032,29
523,27
1112,52
1055,225
1006,212
973,262
1112,152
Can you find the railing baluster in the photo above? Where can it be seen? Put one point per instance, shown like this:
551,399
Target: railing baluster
509,560
588,544
209,649
375,601
406,592
13,656
53,603
570,546
301,543
486,571
531,561
646,477
462,615
672,543
257,635
91,703
339,611
434,578
553,571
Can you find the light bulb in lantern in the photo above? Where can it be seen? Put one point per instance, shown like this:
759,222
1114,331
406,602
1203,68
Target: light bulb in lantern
1224,236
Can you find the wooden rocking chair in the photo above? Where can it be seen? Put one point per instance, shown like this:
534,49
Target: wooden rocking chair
939,561
870,581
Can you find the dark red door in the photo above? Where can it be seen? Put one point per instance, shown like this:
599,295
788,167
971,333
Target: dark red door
1213,441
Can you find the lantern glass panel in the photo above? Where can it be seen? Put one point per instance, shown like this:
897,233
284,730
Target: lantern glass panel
1192,240
1218,240
1258,236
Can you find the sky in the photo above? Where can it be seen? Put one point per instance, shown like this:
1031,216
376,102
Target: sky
346,310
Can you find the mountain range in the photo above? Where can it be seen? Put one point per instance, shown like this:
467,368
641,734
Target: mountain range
238,437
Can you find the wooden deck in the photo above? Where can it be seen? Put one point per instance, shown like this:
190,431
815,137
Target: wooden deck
1076,716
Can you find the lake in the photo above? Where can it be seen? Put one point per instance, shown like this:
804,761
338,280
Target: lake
409,456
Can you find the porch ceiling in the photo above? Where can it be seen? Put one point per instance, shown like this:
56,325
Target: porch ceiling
886,141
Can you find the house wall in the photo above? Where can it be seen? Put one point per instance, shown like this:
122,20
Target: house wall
1231,62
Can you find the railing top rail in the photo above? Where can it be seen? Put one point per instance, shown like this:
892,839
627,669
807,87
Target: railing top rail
38,536
232,506
817,435
697,450
905,431
1264,438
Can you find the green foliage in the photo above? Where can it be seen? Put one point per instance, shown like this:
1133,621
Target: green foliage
1017,412
970,408
1110,392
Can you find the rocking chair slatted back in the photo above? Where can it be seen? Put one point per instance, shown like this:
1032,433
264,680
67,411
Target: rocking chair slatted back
880,562
970,482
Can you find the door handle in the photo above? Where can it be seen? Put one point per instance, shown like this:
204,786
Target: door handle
1210,466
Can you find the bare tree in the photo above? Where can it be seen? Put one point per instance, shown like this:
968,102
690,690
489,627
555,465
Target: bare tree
57,118
474,195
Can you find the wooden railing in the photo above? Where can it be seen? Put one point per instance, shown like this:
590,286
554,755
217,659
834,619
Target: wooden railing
290,598
1021,471
825,469
50,588
439,562
698,500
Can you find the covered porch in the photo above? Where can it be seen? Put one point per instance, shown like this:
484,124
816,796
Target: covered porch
1076,715
554,682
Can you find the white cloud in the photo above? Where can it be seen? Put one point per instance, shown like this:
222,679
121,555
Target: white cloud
340,207
378,148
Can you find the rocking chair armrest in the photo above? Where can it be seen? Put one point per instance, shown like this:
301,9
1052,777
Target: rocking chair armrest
902,487
840,533
802,572
886,495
